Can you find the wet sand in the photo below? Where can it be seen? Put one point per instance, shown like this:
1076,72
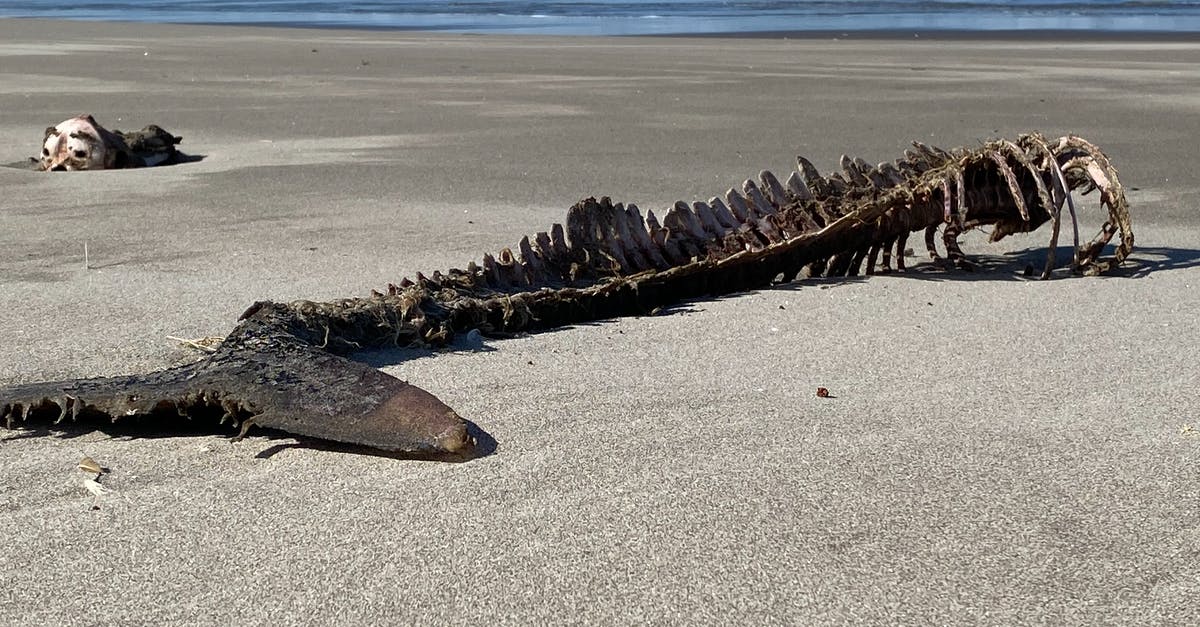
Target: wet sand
1000,450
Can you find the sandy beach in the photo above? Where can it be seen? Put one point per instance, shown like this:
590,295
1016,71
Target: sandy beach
999,451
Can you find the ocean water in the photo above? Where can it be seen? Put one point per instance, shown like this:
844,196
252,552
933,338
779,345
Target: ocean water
574,17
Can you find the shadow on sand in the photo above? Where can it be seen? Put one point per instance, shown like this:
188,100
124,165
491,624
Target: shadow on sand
31,163
151,427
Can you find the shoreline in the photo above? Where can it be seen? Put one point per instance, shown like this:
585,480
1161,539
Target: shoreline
933,34
1070,35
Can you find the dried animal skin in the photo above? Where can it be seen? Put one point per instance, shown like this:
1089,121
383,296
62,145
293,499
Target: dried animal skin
282,366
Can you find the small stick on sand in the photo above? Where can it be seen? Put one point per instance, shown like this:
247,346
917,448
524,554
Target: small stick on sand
204,344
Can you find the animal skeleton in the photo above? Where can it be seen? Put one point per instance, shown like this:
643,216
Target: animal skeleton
282,366
81,143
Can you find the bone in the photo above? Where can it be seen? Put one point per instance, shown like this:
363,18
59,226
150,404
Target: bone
490,272
799,218
709,220
947,201
230,412
1100,178
816,183
531,261
853,175
737,204
542,246
772,189
681,246
757,199
787,230
1019,154
797,187
839,264
886,261
891,172
795,223
873,257
1011,178
926,156
953,251
837,184
558,243
1113,197
435,281
606,219
856,262
909,168
767,228
682,221
619,222
1062,195
1051,161
556,266
581,231
507,266
627,228
932,153
1079,167
478,277
751,239
869,174
809,218
641,238
901,241
918,161
1105,170
652,225
598,232
671,251
822,213
877,177
724,216
962,196
930,232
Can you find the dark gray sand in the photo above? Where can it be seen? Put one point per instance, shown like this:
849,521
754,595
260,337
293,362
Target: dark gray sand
1000,451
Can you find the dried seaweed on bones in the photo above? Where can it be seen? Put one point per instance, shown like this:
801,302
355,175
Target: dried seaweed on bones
283,365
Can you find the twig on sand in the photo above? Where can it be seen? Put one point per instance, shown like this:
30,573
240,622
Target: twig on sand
204,344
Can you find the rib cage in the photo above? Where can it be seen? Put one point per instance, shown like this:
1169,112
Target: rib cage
999,184
279,367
